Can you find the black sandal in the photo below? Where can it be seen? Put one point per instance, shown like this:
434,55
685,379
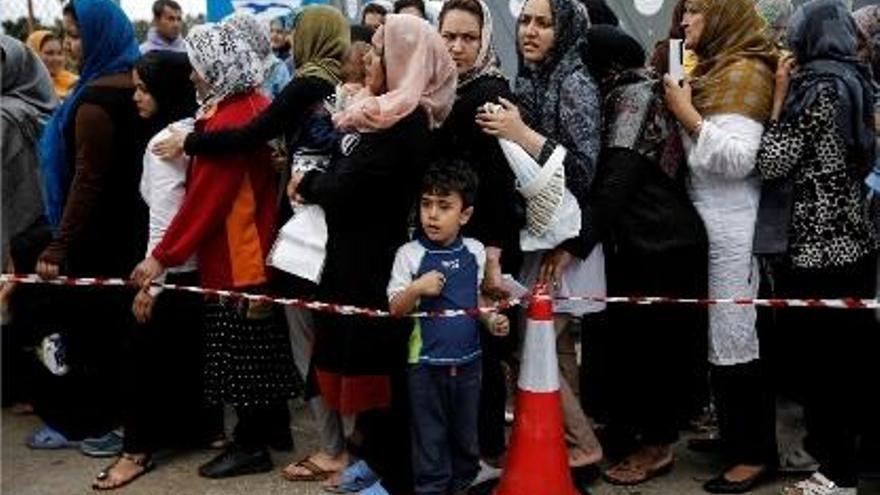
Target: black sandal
145,462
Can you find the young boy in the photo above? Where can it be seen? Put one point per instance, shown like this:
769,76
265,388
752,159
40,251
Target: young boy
441,270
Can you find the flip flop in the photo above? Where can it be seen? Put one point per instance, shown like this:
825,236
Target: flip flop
316,473
355,478
47,438
146,465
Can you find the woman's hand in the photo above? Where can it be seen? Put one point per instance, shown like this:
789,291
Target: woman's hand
554,263
142,306
502,121
147,271
47,268
293,185
679,101
783,78
172,146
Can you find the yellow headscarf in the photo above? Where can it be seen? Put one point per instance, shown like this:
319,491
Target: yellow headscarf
320,39
737,60
64,80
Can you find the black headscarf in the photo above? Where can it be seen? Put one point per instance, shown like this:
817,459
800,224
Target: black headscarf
610,49
166,75
823,36
601,13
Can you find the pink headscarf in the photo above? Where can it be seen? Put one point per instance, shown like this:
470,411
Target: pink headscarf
418,72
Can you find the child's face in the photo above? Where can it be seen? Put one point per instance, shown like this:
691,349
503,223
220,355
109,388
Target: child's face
442,216
353,70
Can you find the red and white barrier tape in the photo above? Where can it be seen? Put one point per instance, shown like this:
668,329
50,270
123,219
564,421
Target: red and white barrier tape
345,309
341,309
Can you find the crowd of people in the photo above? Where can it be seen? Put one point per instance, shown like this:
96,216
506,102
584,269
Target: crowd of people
393,165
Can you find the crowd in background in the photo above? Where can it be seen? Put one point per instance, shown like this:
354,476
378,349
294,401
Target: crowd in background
393,165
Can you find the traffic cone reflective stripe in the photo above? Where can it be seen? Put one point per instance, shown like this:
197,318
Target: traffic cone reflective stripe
537,460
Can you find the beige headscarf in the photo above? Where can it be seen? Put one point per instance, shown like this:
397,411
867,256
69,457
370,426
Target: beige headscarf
737,61
321,37
419,72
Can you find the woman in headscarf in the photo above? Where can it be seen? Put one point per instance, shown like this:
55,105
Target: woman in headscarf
367,193
161,401
721,111
466,27
868,20
776,14
559,114
279,36
822,136
227,217
657,247
660,55
27,102
299,114
91,154
275,75
51,52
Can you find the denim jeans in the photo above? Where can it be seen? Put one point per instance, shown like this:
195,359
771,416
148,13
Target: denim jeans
445,403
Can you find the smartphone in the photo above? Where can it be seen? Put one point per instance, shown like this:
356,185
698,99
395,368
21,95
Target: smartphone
676,60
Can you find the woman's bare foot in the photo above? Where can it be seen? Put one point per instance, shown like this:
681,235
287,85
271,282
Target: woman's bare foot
126,469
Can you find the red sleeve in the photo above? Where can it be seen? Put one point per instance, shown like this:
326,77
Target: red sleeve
210,194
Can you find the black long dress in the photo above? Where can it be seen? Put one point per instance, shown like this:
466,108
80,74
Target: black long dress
368,194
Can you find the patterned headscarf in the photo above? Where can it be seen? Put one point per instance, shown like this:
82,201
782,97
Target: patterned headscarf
108,47
776,13
737,61
487,63
224,59
868,20
419,72
538,88
254,32
823,36
321,37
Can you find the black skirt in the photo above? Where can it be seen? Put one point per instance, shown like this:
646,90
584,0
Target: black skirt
248,360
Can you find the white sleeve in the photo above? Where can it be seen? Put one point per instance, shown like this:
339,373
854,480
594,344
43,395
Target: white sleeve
479,251
727,145
406,262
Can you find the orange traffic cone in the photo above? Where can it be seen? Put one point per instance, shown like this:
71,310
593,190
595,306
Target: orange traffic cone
537,460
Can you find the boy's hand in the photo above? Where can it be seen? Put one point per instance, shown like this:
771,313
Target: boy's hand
431,283
499,325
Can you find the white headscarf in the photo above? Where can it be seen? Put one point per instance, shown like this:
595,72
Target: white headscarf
224,59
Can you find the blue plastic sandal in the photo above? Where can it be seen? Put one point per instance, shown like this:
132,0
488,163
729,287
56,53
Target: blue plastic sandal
47,438
356,477
375,489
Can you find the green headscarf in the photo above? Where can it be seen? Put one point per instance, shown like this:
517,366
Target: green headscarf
320,39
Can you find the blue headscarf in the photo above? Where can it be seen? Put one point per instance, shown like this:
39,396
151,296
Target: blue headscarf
108,47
